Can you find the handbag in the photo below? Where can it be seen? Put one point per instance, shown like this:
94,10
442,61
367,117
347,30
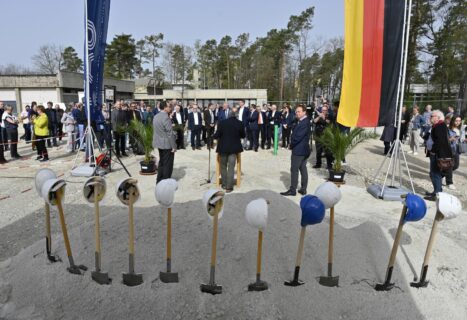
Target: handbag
445,164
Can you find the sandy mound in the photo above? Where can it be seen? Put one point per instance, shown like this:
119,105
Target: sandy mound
32,288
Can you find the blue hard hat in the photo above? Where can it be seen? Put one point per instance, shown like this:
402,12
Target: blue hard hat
416,208
313,210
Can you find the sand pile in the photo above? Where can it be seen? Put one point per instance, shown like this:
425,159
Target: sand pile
32,288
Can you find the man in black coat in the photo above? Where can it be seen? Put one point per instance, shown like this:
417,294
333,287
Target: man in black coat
229,134
273,119
178,120
53,124
195,124
209,124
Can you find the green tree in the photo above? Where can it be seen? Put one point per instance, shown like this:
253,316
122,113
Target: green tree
120,60
71,61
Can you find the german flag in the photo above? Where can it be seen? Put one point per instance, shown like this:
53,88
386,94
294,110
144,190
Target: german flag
372,59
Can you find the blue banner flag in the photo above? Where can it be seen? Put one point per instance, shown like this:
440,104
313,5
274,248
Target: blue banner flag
97,16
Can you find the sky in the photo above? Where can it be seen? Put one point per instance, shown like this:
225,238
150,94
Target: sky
27,24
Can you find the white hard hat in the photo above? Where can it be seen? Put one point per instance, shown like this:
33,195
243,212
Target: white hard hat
49,189
210,198
448,205
165,192
329,194
124,187
92,186
41,177
256,213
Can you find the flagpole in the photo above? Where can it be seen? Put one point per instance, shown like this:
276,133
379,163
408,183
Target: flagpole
396,119
86,34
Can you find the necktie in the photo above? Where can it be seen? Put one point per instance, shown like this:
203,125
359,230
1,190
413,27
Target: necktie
227,113
260,118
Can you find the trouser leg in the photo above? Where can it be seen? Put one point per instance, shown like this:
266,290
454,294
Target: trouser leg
231,160
13,137
304,174
223,164
295,163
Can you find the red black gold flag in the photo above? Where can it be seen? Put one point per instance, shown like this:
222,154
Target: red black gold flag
372,59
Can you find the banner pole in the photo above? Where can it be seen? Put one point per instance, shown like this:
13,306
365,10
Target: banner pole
396,114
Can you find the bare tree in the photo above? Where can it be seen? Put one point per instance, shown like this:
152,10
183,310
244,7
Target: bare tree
49,59
14,69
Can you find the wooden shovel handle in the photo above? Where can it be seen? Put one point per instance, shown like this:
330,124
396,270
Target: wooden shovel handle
214,240
47,221
260,252
331,236
397,238
63,224
432,238
169,233
97,228
131,228
300,247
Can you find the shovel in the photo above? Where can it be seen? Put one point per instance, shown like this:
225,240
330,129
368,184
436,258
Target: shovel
330,281
387,285
296,282
212,287
97,275
131,279
259,285
73,268
48,236
169,277
423,283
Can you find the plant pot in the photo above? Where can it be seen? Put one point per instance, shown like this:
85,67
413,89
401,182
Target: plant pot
148,167
336,176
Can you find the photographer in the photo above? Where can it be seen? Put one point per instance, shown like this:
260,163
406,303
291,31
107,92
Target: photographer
321,121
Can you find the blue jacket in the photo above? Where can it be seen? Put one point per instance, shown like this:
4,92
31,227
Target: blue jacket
288,120
418,122
191,121
253,122
300,139
245,116
221,116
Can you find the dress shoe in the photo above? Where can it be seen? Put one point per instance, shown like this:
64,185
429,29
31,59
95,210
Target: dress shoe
430,193
228,190
3,161
44,160
199,148
256,150
124,154
39,157
17,157
193,148
289,193
317,166
302,192
430,198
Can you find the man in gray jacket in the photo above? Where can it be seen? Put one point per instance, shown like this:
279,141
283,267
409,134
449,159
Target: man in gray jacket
164,140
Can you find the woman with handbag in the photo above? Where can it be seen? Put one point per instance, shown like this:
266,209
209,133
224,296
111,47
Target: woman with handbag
440,153
455,142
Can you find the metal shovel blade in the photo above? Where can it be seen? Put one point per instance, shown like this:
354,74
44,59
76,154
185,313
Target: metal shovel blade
258,286
74,269
101,277
53,258
132,279
168,277
211,288
384,286
294,283
420,284
329,281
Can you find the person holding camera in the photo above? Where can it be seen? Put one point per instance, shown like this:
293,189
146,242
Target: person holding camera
321,121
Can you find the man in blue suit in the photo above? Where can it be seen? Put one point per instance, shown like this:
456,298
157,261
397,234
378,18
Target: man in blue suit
257,118
223,114
195,124
300,146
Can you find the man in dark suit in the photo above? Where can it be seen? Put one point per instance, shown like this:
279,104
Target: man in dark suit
300,146
254,128
223,114
178,120
273,119
209,124
229,134
195,124
243,116
53,124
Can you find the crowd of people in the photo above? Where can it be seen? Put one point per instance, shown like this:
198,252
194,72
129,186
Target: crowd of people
197,126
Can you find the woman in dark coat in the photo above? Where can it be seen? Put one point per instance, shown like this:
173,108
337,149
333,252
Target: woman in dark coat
438,147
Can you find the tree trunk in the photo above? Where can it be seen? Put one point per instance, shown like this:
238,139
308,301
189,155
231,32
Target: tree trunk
282,75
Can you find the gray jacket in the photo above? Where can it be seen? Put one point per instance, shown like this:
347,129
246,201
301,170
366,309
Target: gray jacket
163,137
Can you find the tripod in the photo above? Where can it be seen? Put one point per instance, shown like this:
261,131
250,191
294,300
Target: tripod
209,143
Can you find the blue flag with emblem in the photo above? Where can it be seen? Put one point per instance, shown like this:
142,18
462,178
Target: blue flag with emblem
96,22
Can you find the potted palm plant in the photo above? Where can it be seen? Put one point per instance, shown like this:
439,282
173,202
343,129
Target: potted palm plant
339,144
142,133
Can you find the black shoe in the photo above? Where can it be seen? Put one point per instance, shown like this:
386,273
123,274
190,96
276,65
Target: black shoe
17,157
198,148
256,150
317,166
3,161
39,158
302,192
430,194
228,190
430,198
124,154
289,193
44,160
